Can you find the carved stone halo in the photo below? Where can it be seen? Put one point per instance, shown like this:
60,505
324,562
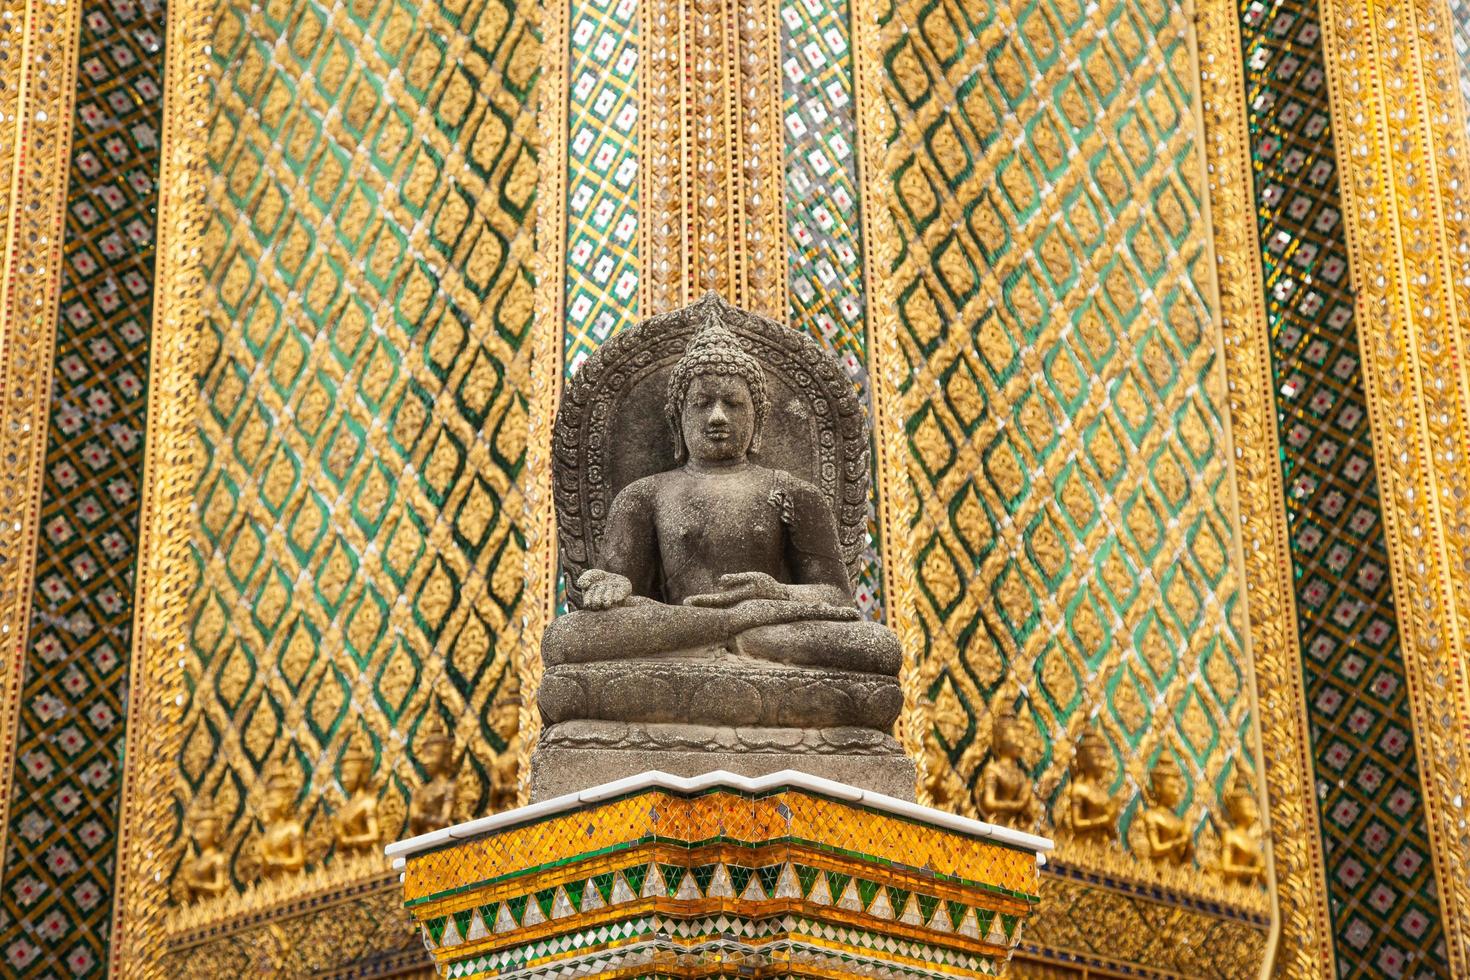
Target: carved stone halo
610,429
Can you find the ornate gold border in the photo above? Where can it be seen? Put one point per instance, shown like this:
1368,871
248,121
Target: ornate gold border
896,509
1401,138
1302,929
552,94
38,84
161,593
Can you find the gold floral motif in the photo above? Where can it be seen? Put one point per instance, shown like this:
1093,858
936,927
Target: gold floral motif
1399,123
37,91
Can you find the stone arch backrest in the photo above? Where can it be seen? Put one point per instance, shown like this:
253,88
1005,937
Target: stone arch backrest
610,428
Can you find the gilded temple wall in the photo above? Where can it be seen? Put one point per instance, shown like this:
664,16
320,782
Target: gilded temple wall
966,98
362,417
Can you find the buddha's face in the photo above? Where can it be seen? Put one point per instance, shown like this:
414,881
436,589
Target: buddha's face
1168,788
718,419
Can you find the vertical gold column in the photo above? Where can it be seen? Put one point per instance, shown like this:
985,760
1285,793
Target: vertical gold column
1302,936
1401,148
709,123
37,92
164,577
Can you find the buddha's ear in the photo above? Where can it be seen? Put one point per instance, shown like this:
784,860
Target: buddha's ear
680,450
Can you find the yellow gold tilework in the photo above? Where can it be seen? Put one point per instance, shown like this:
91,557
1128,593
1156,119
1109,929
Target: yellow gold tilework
728,815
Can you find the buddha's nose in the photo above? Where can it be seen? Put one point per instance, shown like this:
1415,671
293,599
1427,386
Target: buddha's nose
717,415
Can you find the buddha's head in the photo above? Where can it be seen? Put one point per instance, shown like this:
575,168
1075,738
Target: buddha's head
717,399
280,790
1167,782
1092,754
435,747
1241,806
356,762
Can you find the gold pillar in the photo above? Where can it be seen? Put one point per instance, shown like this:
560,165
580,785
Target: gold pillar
1302,933
709,127
37,91
1401,141
164,576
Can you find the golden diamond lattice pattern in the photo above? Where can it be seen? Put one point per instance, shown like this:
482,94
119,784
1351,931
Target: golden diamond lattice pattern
363,419
1073,545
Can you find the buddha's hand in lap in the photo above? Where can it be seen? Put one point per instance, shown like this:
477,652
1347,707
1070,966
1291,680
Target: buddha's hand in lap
751,613
603,589
742,587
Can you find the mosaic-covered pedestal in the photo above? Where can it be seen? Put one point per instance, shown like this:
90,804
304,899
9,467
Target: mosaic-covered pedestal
784,875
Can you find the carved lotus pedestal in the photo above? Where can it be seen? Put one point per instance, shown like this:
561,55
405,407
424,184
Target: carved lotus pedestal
778,876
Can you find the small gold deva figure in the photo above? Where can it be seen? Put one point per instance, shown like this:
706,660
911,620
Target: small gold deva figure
281,846
1089,811
1242,861
205,875
505,720
1005,792
432,806
357,821
1166,836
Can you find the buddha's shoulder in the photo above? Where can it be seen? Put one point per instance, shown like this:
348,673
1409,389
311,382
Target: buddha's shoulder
803,491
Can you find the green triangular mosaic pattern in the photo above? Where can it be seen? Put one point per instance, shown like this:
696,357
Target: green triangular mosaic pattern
815,886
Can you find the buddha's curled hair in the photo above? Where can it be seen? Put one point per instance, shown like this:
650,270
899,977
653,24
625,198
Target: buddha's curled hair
714,350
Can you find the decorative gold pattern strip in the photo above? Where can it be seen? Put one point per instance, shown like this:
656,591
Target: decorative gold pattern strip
546,373
1302,933
164,574
709,192
1401,148
762,280
663,243
37,92
896,509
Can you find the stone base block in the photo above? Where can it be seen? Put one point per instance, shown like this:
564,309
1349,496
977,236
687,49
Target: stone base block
556,771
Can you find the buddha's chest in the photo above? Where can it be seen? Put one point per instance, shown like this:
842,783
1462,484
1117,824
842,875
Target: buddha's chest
710,520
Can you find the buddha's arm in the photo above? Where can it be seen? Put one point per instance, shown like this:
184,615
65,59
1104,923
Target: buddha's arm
629,545
650,628
813,550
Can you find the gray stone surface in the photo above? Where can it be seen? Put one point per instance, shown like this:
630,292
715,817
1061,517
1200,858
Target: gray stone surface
557,771
711,474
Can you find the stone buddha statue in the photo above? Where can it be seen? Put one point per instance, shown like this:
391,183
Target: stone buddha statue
713,623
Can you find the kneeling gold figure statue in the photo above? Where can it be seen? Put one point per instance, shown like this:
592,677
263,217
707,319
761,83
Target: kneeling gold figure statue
357,821
1166,838
281,845
205,874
